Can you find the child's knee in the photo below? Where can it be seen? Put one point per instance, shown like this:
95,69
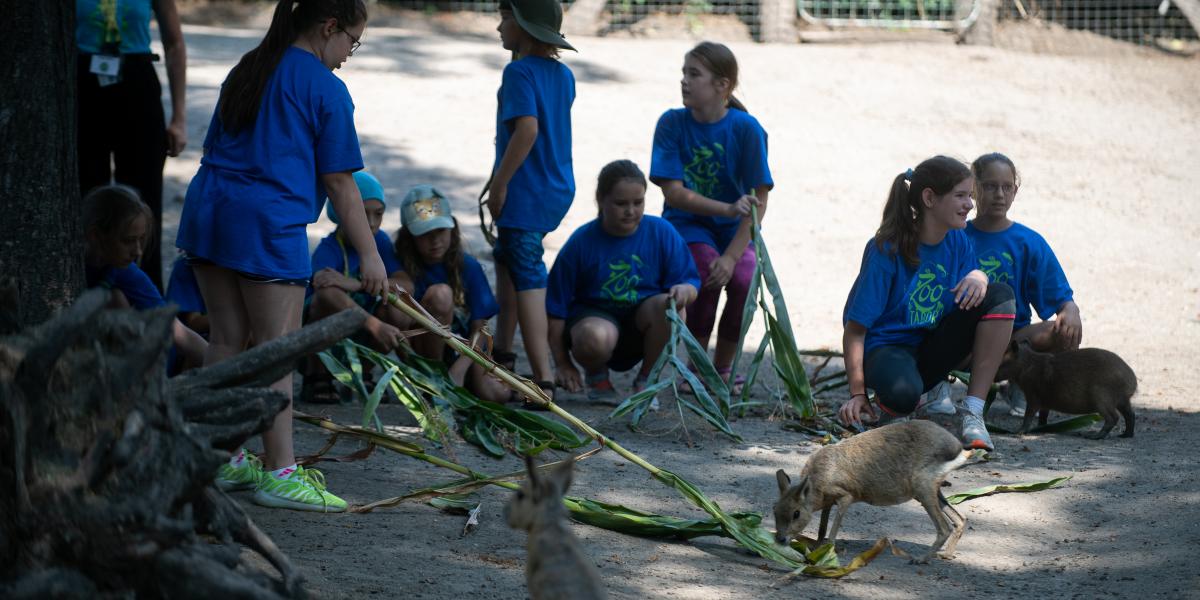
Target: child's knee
593,337
900,396
438,299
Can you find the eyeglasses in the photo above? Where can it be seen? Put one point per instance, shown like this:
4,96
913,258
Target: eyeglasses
355,44
992,187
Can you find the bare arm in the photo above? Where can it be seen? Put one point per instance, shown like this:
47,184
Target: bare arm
676,195
347,203
853,342
721,271
525,132
172,40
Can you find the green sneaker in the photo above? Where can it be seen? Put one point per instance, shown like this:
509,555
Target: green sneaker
300,490
245,477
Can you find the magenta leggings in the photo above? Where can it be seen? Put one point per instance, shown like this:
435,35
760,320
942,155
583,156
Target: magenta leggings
702,312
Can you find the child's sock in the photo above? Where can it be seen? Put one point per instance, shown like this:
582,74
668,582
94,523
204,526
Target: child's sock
975,405
284,472
238,459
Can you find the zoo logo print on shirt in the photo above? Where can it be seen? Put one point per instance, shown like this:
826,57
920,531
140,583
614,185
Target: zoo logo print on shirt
700,175
925,305
623,279
998,270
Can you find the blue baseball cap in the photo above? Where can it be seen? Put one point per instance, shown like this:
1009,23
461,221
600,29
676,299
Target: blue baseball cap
424,209
368,187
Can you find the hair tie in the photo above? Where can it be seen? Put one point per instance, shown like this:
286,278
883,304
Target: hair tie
908,175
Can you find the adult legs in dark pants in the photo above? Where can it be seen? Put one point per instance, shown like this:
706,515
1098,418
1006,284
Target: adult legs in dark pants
900,374
124,124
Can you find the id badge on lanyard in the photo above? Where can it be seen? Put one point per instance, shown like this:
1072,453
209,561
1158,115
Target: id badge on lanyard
107,65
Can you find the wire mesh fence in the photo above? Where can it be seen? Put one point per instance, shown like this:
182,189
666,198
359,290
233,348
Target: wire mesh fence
1138,21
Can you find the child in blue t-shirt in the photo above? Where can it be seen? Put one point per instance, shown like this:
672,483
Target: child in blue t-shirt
449,283
920,306
281,140
116,226
184,292
1012,253
336,283
611,285
533,182
710,159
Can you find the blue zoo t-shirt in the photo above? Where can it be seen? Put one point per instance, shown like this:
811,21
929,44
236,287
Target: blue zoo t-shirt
122,22
541,190
183,290
899,303
249,206
595,269
721,161
1020,257
130,280
481,304
343,258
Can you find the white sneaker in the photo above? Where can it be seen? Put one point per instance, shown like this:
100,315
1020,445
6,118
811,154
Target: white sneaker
937,400
1016,400
975,433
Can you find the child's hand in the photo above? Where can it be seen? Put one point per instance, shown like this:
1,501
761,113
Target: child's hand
741,208
852,411
1068,327
328,277
568,378
970,291
720,271
497,195
374,275
683,295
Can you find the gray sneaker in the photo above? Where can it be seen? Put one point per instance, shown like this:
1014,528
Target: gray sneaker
937,400
975,433
1016,400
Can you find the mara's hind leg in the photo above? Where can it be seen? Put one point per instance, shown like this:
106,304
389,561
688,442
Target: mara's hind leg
959,523
1110,420
928,496
1127,412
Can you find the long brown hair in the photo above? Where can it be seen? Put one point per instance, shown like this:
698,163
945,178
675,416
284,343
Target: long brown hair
107,209
903,212
720,61
406,250
241,95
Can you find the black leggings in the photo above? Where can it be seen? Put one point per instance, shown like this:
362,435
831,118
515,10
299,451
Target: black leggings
900,374
124,122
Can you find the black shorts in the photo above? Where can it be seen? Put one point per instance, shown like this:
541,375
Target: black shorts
628,352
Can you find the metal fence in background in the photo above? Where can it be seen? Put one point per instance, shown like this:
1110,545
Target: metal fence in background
1137,21
1145,22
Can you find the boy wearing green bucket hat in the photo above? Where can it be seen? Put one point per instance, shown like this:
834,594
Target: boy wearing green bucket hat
533,182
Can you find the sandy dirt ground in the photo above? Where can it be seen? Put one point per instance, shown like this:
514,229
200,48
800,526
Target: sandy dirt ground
1106,141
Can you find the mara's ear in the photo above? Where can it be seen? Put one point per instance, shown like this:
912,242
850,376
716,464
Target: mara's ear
783,480
563,474
531,469
805,486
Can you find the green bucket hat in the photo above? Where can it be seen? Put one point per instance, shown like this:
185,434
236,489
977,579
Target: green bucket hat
541,19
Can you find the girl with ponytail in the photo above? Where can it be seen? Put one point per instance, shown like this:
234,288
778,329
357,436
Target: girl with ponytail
710,159
281,139
920,307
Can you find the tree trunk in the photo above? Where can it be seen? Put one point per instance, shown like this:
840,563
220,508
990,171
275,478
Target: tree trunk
584,17
41,247
982,31
106,467
777,21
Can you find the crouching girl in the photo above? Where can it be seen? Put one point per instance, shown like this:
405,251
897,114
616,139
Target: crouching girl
920,306
611,285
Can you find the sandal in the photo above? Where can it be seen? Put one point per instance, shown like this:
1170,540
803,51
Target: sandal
548,387
506,359
735,389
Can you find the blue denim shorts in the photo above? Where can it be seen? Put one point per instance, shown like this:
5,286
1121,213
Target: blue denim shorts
521,252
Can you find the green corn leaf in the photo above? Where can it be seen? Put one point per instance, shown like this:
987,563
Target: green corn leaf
643,397
749,308
356,367
790,368
712,419
702,363
376,396
335,367
487,439
623,519
455,503
1036,486
755,364
706,407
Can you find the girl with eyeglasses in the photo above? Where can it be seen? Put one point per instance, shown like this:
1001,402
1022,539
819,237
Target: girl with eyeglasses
281,140
1012,253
